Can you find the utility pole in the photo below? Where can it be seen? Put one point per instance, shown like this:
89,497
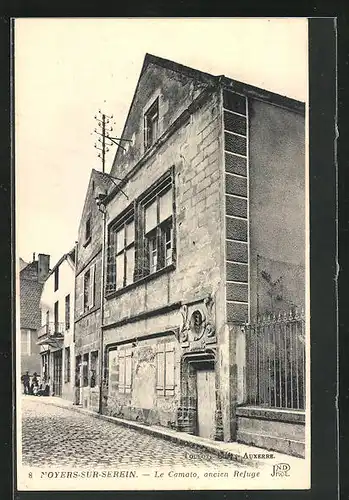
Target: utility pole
103,143
104,138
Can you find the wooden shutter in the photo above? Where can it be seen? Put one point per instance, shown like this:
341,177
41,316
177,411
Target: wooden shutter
122,370
169,369
128,370
160,368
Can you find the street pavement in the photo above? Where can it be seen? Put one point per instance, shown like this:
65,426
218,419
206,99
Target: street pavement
54,436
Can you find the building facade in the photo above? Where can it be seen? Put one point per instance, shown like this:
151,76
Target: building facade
31,279
204,242
206,237
56,334
88,295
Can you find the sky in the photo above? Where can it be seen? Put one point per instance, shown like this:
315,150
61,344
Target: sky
68,69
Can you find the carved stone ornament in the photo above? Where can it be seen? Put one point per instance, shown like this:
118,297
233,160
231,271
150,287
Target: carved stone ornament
198,322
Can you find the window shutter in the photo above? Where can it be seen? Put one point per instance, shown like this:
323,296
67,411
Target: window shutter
92,286
160,365
111,263
170,369
122,370
128,370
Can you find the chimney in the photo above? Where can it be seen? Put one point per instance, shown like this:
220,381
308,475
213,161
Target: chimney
34,257
43,267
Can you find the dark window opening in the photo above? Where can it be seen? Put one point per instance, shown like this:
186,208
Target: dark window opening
151,124
56,278
56,317
89,288
85,363
67,364
67,312
88,230
94,369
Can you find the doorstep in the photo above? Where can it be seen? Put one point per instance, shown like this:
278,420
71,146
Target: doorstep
238,452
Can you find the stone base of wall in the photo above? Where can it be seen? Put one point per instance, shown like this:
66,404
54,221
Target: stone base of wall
90,398
148,416
273,429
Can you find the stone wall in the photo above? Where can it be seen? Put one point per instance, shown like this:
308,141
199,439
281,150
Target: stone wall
194,150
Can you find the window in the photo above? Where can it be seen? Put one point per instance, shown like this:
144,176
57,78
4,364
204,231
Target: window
142,241
25,343
67,364
121,254
151,124
158,231
89,288
165,369
85,363
94,369
56,278
88,231
67,312
125,253
56,317
125,370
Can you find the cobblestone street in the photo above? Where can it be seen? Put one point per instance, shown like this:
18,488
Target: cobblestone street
54,436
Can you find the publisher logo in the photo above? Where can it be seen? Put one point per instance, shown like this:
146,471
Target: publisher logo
280,470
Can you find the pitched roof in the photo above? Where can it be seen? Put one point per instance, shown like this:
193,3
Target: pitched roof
103,179
70,256
22,264
249,90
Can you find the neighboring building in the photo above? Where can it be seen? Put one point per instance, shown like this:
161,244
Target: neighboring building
88,294
206,234
31,277
56,334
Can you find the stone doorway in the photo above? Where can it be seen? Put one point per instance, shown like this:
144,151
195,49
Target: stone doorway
199,412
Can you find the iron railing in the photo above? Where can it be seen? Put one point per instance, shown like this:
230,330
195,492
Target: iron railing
51,329
275,361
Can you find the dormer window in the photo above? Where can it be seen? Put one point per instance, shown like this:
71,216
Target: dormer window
151,124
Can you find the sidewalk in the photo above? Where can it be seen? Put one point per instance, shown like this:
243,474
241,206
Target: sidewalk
244,454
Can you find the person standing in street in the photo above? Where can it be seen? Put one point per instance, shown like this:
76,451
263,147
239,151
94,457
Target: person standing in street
26,382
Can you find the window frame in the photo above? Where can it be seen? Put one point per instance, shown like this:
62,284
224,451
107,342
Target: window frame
121,226
158,233
136,210
151,116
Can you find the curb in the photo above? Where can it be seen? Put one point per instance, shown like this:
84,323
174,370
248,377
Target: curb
180,438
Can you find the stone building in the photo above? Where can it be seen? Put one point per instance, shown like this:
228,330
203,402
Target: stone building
31,280
56,334
88,294
205,234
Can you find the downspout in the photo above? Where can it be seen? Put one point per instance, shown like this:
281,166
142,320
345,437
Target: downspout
101,358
